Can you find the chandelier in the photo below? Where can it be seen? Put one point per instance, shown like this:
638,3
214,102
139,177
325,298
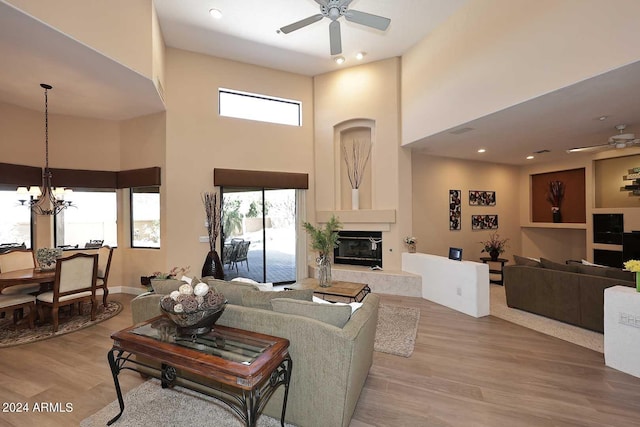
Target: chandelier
45,200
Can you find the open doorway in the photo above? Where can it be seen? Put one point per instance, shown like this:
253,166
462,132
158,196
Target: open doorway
259,234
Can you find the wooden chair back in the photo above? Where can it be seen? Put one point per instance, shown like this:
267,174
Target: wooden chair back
75,274
17,259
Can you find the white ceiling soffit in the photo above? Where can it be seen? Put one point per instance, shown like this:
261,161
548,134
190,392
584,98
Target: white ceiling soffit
557,121
247,31
85,82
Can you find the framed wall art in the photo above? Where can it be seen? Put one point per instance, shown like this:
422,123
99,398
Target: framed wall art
484,222
455,209
482,198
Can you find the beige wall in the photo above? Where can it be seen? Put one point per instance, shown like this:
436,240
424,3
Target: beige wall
119,29
370,92
433,177
493,54
199,140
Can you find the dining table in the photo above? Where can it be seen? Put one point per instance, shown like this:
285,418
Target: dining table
26,275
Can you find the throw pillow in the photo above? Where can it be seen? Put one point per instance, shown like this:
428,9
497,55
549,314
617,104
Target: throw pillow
571,268
231,291
354,305
528,262
261,286
336,315
258,299
585,262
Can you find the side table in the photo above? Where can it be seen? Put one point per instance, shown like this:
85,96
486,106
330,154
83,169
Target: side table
502,262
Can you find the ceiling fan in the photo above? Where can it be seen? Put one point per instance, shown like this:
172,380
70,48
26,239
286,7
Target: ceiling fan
334,9
621,140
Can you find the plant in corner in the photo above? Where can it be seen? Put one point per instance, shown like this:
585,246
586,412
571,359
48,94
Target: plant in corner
324,240
494,246
410,241
555,196
212,265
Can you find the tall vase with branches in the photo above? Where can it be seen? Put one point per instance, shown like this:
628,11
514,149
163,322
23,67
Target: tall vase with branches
324,240
212,265
555,196
356,156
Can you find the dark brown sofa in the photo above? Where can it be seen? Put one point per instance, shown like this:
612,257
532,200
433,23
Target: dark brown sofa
570,293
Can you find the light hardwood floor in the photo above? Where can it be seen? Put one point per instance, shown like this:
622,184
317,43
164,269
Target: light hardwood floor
463,372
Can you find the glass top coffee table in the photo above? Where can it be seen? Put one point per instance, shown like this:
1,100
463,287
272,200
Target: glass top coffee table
241,368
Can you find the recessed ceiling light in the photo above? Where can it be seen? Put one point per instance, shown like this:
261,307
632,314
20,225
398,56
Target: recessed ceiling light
360,55
215,13
530,157
603,118
481,150
339,60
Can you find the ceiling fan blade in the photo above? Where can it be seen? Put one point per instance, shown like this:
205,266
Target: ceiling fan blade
589,148
363,18
302,23
334,38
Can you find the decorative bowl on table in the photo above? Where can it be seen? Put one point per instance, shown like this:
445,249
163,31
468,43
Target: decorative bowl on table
194,310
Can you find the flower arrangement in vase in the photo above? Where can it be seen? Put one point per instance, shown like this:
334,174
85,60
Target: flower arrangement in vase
324,240
356,158
410,241
47,258
555,196
634,266
494,246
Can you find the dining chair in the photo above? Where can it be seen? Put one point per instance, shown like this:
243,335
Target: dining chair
18,259
75,282
104,265
17,303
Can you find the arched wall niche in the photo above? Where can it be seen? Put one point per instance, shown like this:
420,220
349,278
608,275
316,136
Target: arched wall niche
362,130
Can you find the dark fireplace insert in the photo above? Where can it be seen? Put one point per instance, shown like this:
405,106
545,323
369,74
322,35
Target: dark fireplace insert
359,248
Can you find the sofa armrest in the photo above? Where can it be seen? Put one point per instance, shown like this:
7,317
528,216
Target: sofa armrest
145,307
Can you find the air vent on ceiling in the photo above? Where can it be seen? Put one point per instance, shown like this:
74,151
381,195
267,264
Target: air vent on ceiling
541,151
461,130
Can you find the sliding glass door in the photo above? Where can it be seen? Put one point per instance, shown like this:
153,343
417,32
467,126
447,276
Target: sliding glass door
259,234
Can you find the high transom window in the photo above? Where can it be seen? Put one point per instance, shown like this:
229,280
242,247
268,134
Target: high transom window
253,106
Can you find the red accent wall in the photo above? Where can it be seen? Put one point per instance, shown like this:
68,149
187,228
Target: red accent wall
573,207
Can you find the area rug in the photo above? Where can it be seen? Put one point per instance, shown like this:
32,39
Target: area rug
149,405
573,334
11,335
397,329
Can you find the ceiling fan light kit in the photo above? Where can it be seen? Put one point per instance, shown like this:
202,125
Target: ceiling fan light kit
334,9
619,141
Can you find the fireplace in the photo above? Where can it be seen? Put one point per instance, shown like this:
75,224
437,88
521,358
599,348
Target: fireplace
359,248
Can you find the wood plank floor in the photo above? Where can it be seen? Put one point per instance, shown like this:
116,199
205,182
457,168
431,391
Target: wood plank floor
463,372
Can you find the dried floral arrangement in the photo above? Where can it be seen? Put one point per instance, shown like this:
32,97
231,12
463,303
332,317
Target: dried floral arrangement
555,193
190,299
356,159
495,243
212,211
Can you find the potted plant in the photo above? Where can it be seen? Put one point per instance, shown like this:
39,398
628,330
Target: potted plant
410,241
555,196
494,246
634,266
324,240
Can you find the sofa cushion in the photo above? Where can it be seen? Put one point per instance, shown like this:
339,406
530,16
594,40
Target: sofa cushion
593,270
618,274
165,286
262,286
231,291
571,268
260,299
529,262
336,315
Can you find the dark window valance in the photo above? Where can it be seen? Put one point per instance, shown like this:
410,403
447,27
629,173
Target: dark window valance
20,175
259,179
147,177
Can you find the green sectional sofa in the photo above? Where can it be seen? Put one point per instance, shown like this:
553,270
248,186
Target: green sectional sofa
330,363
571,293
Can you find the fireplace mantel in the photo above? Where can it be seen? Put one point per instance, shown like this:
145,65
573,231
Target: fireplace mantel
363,219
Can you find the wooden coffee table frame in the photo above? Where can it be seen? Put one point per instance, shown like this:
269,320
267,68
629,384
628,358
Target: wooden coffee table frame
352,291
246,389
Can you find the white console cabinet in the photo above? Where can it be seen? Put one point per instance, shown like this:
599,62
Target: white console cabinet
622,329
